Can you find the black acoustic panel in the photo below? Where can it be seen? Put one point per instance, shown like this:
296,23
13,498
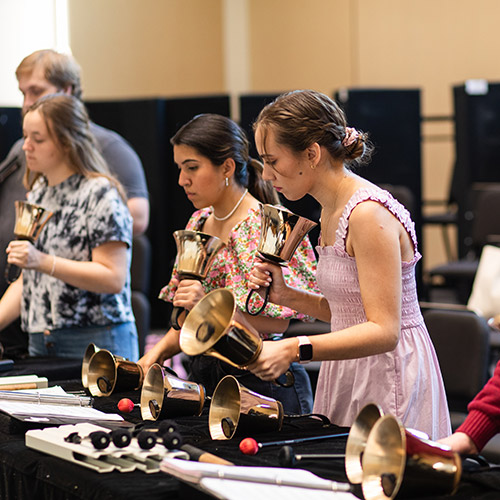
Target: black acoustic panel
392,118
10,129
250,107
477,147
477,132
148,125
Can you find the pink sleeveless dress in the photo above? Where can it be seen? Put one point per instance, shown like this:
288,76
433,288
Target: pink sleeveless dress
405,382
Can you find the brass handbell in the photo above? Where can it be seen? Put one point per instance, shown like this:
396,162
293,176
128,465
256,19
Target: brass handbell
165,395
89,352
30,220
195,254
108,373
356,441
234,406
280,234
398,464
215,327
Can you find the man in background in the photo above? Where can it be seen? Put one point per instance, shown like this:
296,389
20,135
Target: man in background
46,72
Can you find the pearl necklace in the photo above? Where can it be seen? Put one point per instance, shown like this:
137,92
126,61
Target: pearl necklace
232,211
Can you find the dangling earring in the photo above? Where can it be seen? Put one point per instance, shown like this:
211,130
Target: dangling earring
227,181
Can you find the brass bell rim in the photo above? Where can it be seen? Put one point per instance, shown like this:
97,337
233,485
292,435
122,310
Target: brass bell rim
356,441
188,342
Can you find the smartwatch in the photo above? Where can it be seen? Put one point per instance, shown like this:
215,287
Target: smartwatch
305,350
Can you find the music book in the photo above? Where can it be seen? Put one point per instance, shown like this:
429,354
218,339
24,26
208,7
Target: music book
228,482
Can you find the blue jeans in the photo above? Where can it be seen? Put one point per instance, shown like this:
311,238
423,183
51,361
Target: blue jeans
296,400
120,339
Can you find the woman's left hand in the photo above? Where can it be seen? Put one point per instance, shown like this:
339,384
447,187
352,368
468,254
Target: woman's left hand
23,254
274,359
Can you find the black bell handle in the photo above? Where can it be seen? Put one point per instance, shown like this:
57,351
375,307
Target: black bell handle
17,273
175,316
290,380
247,304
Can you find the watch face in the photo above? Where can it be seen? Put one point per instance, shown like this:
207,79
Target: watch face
305,352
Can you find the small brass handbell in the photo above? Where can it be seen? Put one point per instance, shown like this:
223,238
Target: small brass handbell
89,352
356,441
396,463
30,220
108,373
234,407
164,395
280,234
196,252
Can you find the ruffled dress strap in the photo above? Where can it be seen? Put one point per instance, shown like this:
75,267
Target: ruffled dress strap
388,201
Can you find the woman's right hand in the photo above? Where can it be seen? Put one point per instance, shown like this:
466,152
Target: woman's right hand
268,275
188,294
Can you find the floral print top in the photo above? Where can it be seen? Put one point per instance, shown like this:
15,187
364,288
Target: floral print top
232,265
87,212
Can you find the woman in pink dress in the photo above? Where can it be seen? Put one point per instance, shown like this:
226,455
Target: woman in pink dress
379,349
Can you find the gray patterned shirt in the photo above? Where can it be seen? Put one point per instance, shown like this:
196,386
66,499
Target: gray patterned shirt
87,213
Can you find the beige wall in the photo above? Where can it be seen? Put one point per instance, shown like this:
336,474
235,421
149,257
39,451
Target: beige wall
141,48
144,48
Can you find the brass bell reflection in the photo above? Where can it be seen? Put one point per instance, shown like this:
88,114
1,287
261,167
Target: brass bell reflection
30,220
108,373
195,254
356,442
216,328
280,234
165,395
397,463
234,407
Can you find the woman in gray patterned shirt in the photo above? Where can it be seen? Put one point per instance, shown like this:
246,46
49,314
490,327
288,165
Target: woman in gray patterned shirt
75,284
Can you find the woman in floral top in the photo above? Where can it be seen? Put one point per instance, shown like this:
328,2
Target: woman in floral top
226,186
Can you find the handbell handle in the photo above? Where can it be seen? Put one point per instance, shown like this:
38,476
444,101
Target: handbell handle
174,318
247,304
17,273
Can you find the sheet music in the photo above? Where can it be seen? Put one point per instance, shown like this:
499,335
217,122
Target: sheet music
253,481
35,410
226,489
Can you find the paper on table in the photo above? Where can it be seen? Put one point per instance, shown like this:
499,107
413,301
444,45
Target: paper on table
249,482
15,408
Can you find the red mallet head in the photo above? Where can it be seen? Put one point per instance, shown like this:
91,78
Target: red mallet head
126,405
249,446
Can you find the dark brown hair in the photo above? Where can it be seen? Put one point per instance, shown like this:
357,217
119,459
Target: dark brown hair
218,138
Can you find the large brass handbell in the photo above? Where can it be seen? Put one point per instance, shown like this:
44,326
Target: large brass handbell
356,441
215,327
396,463
195,254
280,234
235,407
164,395
30,220
108,373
